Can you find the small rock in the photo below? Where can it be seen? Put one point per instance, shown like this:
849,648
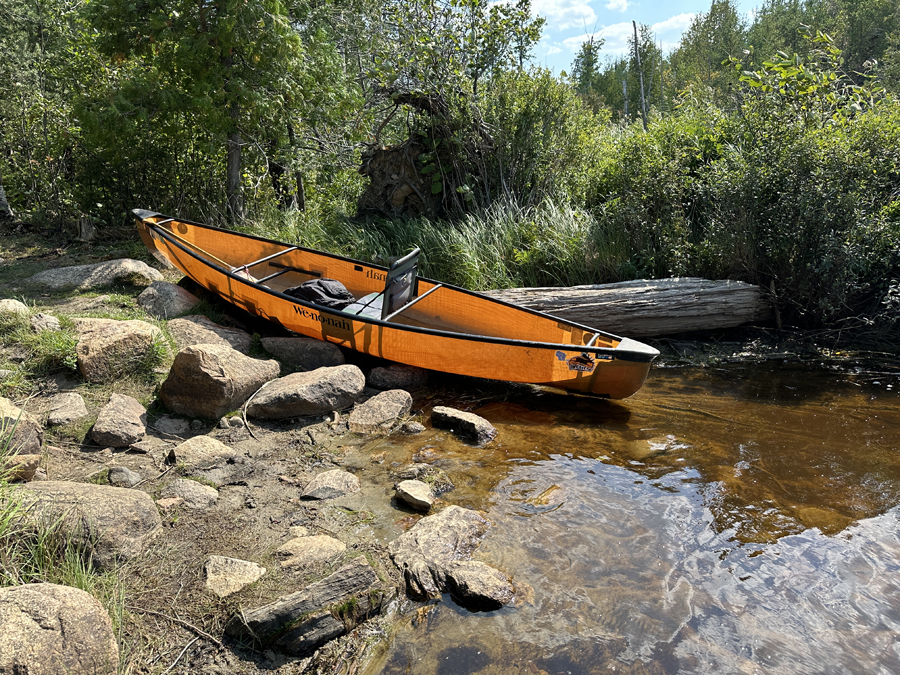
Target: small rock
235,422
165,300
478,586
195,495
225,576
304,551
120,423
331,484
298,531
121,476
380,412
201,450
66,408
197,425
43,322
467,425
10,306
416,494
19,431
169,503
172,426
412,427
20,467
223,423
425,455
144,447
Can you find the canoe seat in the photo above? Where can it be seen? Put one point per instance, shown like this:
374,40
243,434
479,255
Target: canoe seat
399,288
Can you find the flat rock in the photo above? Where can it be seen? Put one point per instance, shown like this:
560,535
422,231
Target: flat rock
304,353
201,450
195,495
380,412
415,494
111,523
464,424
11,306
108,348
41,322
209,380
318,392
20,432
305,551
226,576
20,467
172,426
121,422
165,300
398,376
301,622
424,552
196,329
48,629
331,484
98,275
66,408
122,476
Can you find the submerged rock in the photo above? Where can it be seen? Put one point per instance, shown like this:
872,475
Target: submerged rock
465,424
380,412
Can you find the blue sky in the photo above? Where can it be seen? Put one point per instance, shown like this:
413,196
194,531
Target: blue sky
571,22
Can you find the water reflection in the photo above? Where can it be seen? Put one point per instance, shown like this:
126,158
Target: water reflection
720,521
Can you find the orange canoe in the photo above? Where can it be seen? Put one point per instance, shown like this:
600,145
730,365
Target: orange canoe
398,315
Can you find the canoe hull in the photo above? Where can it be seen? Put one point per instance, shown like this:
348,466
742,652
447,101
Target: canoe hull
613,368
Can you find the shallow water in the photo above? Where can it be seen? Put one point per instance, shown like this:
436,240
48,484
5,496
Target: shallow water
733,520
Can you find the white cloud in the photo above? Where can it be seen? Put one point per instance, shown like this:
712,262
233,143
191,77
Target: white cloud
617,5
565,14
678,23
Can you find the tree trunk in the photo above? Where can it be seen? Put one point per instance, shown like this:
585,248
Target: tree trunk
6,212
650,308
637,56
233,168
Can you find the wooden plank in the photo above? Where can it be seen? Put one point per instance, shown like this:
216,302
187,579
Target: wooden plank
650,308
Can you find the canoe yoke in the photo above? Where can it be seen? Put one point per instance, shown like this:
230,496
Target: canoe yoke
399,292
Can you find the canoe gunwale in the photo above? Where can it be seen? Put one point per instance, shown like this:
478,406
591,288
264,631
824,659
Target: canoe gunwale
627,355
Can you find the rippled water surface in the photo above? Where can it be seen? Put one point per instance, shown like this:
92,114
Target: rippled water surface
735,520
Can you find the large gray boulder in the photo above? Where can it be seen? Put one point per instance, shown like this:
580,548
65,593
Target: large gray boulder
164,300
429,557
121,422
87,277
380,412
47,629
301,622
209,380
108,348
304,353
318,392
110,523
196,329
20,432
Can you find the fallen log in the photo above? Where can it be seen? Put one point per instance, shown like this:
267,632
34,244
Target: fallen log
650,308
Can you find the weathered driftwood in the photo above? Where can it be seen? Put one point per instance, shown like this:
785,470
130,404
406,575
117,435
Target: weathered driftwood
650,308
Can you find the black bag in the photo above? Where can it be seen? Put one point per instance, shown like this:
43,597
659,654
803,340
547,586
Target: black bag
326,292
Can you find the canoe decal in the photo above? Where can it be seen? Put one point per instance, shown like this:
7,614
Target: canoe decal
581,363
342,324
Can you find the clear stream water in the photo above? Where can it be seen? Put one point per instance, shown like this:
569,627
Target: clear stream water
743,519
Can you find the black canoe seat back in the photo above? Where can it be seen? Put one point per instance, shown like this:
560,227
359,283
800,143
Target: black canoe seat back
399,288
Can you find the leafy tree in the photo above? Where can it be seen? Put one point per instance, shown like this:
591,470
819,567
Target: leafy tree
707,44
780,25
233,67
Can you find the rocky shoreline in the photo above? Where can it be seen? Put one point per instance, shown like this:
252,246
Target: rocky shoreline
212,473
